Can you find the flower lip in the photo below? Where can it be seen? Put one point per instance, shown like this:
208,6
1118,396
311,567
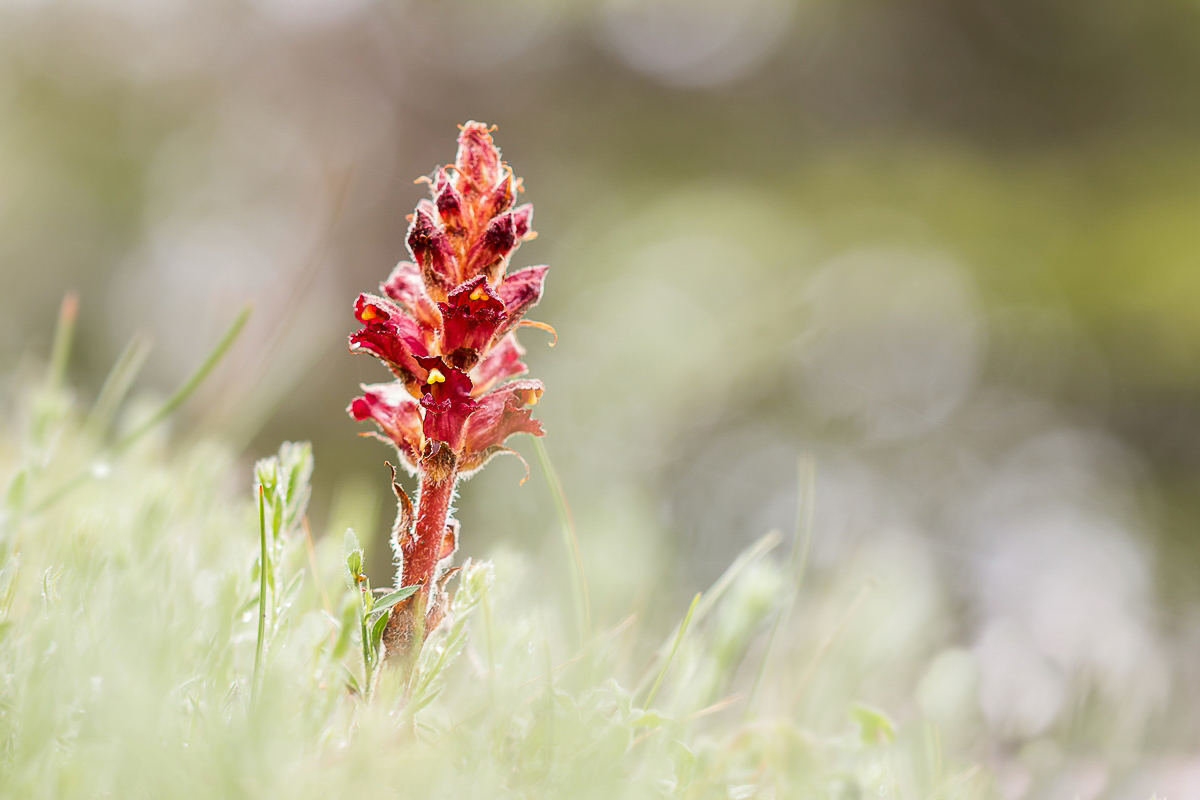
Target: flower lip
446,398
471,317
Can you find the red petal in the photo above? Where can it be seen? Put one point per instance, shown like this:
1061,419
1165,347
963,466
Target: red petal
390,335
501,363
446,398
471,316
501,413
431,249
397,415
405,286
520,292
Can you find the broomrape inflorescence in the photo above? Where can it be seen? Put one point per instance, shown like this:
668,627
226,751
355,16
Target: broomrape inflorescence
445,327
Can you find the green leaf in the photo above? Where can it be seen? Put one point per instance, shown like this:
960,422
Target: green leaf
641,718
354,559
377,632
388,600
351,681
874,725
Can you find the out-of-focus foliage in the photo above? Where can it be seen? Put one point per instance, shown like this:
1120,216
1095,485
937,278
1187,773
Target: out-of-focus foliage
164,636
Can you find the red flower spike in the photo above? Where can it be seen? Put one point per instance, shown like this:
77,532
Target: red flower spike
446,398
471,316
445,326
503,362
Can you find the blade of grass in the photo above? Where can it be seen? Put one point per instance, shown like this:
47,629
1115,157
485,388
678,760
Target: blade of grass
64,333
48,407
311,550
805,505
173,402
827,643
583,610
707,600
768,542
183,392
662,672
118,382
262,596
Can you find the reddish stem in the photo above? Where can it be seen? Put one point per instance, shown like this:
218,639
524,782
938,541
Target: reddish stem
433,509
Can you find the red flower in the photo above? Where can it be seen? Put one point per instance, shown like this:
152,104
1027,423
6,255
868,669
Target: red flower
444,325
391,336
446,398
396,414
500,414
471,316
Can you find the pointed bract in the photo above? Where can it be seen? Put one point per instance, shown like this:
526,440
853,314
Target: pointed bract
478,158
501,413
433,252
520,292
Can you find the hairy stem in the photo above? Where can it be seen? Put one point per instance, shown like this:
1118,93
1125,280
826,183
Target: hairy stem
433,511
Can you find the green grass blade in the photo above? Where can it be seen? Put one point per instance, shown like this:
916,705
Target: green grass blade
262,596
801,541
662,672
579,586
64,333
190,385
118,382
174,401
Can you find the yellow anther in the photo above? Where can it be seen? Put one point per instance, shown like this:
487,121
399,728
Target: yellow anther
368,313
479,293
435,376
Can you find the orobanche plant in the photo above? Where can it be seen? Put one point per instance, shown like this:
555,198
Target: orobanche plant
445,325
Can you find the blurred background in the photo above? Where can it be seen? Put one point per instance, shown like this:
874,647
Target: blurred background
949,248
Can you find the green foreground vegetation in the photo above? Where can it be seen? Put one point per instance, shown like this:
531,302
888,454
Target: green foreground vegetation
144,652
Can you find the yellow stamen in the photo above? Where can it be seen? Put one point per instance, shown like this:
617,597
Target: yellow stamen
435,376
479,293
368,313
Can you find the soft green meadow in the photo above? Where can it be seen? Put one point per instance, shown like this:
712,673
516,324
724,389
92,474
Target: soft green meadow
169,627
